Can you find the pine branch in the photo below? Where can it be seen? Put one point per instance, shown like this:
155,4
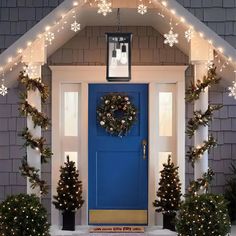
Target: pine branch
33,174
33,84
37,144
195,153
201,183
194,91
201,119
38,118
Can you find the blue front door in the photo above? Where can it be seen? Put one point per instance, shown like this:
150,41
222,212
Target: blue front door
118,168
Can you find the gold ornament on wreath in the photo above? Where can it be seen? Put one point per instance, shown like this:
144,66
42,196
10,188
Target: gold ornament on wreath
116,114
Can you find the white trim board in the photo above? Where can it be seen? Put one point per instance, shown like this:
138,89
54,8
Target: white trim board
85,75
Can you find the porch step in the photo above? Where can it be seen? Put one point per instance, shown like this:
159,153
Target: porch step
85,231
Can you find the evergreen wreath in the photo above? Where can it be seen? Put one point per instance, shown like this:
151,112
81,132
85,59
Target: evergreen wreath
39,119
116,114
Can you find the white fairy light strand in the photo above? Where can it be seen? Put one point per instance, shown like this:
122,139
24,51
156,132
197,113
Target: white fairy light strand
163,4
232,89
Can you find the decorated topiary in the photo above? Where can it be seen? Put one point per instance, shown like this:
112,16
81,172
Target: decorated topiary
205,214
69,194
23,215
168,194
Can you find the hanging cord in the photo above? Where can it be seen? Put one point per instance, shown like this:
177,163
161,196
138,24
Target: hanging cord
118,19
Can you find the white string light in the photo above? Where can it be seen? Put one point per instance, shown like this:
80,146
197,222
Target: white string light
232,89
50,36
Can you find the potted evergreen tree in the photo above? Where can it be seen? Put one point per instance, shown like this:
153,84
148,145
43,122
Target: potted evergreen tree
69,194
169,194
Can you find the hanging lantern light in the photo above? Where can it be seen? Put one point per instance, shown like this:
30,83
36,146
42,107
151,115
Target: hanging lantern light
118,55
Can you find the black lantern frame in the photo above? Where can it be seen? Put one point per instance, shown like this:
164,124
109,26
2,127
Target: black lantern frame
118,57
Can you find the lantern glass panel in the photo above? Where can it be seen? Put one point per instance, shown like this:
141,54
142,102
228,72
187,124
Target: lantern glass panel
118,56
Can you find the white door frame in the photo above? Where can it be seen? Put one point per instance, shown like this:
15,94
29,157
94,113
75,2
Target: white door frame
84,75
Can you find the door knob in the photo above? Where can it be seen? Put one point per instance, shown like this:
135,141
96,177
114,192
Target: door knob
144,147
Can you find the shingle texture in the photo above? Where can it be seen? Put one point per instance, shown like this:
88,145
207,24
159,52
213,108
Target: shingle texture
219,15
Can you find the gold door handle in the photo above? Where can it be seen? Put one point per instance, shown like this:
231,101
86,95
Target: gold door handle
144,147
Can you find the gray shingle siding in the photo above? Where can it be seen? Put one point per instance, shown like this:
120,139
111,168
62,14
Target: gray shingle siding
219,15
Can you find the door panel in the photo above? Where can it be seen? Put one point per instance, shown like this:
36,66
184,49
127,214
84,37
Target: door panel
117,170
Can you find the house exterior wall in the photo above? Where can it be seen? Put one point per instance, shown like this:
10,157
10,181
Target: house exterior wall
18,16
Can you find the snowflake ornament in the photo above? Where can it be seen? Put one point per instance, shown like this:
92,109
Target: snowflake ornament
49,36
232,90
75,26
31,71
188,35
3,90
171,38
142,9
104,7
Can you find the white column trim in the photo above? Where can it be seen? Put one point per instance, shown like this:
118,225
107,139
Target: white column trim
201,135
33,156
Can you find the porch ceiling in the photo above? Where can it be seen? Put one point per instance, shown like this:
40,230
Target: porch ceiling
87,16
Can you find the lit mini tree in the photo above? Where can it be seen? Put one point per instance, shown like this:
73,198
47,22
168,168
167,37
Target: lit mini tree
168,194
69,194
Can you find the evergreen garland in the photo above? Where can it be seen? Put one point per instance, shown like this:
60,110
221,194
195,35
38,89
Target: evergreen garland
194,91
201,183
33,174
69,190
195,153
39,119
37,144
23,215
33,84
169,192
201,119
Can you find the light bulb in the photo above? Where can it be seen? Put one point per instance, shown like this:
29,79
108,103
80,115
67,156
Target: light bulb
114,58
118,51
124,58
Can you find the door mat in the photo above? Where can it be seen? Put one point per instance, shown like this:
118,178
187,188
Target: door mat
117,229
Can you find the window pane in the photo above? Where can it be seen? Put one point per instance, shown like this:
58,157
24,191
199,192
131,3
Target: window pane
165,114
71,114
73,156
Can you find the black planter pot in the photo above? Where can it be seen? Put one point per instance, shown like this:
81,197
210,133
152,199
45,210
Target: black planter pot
169,221
68,220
